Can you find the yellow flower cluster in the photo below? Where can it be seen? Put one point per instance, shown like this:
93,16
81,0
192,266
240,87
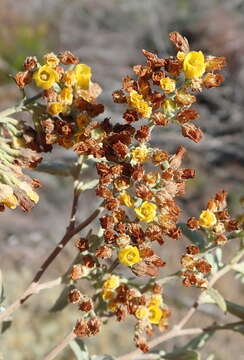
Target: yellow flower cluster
111,283
167,84
146,212
47,75
129,255
207,219
152,312
126,199
139,154
109,286
136,101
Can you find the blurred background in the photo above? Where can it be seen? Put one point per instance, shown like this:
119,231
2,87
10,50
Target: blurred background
109,35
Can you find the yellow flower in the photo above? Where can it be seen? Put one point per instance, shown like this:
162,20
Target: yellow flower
129,255
181,55
144,109
83,76
135,97
207,219
136,101
194,65
155,314
156,300
167,84
146,212
112,305
111,283
69,78
55,108
51,60
30,193
107,294
142,312
125,199
169,107
139,154
45,77
82,120
66,96
7,196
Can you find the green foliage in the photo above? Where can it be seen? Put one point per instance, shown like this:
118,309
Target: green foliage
62,300
196,237
213,296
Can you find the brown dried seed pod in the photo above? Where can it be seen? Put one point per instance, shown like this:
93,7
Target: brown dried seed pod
67,58
119,97
74,296
179,41
193,223
23,78
81,328
192,132
30,63
159,119
187,115
212,80
76,272
82,244
104,252
86,305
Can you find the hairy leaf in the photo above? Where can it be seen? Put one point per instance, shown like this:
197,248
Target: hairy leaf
235,309
2,297
79,349
213,296
183,355
199,341
62,300
5,325
195,237
102,357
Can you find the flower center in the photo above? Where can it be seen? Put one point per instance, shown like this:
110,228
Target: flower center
130,256
44,76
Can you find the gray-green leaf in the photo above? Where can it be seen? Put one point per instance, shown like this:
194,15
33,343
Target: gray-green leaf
185,355
195,237
102,357
235,309
79,349
62,300
2,297
213,296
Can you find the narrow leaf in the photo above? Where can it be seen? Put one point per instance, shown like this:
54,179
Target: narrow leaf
102,357
235,309
6,325
194,236
62,300
79,349
185,355
199,341
213,296
2,297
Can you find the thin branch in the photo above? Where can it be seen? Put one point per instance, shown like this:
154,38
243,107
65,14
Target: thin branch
21,106
71,336
34,285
